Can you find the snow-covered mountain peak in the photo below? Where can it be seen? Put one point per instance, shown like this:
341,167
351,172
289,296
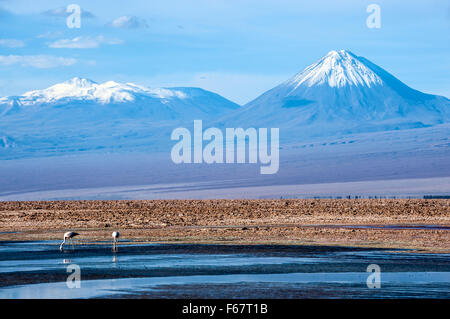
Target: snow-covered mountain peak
74,88
340,54
336,69
115,84
81,89
80,97
80,82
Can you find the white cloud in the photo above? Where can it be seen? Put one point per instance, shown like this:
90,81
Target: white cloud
83,42
50,35
12,43
37,61
129,22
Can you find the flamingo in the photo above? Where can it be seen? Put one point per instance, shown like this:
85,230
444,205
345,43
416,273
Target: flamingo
69,235
115,236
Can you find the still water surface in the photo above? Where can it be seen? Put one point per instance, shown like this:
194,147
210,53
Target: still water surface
39,270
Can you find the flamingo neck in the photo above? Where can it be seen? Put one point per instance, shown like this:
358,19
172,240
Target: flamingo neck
60,247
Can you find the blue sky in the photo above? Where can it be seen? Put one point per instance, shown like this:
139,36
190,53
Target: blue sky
236,48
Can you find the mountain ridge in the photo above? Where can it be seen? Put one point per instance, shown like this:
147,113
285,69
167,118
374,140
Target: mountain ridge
107,92
159,103
338,95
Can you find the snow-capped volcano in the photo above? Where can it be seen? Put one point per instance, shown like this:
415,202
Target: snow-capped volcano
133,100
81,114
88,90
342,92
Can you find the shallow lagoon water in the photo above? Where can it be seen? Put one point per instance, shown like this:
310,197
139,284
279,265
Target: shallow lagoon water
39,270
114,287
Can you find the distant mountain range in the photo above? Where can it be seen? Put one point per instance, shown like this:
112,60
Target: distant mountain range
339,94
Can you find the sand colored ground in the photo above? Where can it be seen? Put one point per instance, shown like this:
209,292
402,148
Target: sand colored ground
314,221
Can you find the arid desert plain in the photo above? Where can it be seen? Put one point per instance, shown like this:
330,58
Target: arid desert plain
421,224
